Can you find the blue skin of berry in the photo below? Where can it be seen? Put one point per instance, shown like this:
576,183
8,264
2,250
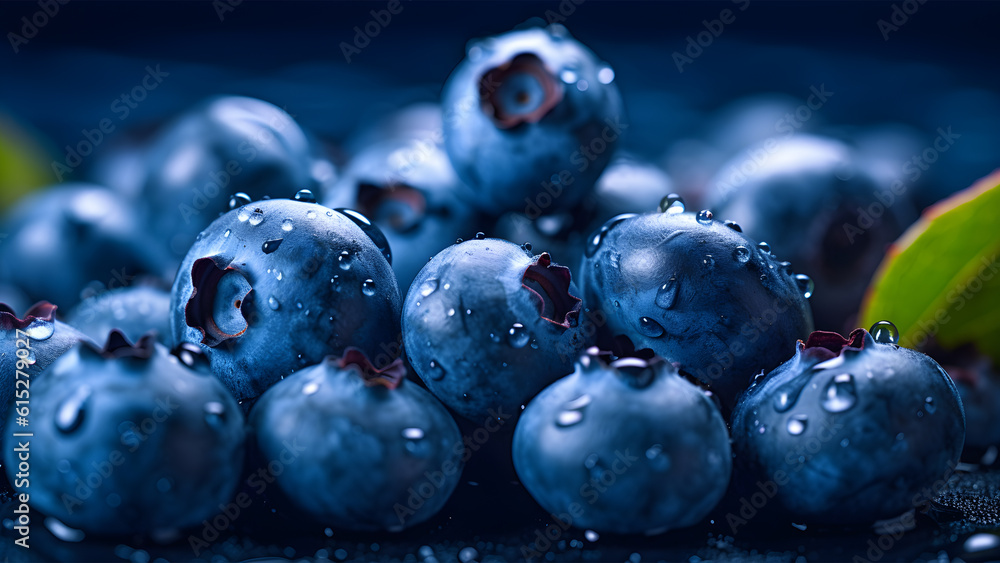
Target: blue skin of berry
723,323
357,455
503,164
130,445
409,189
804,200
470,360
223,146
632,458
133,310
869,448
296,303
44,338
63,238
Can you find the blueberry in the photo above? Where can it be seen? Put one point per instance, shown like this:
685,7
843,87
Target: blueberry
530,116
359,448
276,285
696,291
817,207
132,310
978,382
126,440
851,430
487,325
67,242
43,340
407,186
626,446
224,145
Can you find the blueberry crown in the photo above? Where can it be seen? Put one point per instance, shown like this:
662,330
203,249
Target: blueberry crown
390,376
41,311
823,345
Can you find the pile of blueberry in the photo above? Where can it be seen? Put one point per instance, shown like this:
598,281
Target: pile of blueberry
654,358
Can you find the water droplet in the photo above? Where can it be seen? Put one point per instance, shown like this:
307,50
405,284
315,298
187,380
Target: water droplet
708,262
451,312
428,287
71,413
436,371
273,303
526,246
658,460
243,214
764,247
741,254
981,542
305,196
226,234
215,414
239,199
591,461
368,287
805,284
672,204
413,433
705,217
287,225
734,226
518,336
371,230
840,393
884,332
605,75
495,337
310,214
797,424
257,217
568,76
650,328
568,418
929,405
271,245
480,235
415,445
344,260
591,535
40,329
310,388
667,293
62,531
788,394
598,238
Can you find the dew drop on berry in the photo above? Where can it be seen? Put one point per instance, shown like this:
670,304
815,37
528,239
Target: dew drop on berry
480,235
796,424
741,254
788,395
705,217
227,233
884,332
435,371
495,337
929,405
368,287
734,226
518,336
71,413
428,287
786,267
310,388
243,215
344,260
287,225
239,199
805,285
273,303
591,535
526,246
764,247
271,245
305,196
598,238
415,443
257,217
650,328
658,460
215,414
708,261
451,312
40,329
672,204
591,461
840,393
568,418
605,75
667,294
62,531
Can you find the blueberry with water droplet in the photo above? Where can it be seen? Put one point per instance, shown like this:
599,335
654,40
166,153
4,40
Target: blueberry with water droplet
517,299
672,204
844,403
721,286
368,439
139,411
239,199
229,297
636,420
884,332
305,196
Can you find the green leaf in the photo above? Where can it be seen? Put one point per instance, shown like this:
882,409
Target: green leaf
941,280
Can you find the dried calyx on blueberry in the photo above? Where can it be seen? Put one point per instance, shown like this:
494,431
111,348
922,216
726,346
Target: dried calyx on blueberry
698,292
364,438
487,324
276,285
855,427
173,436
624,445
529,101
